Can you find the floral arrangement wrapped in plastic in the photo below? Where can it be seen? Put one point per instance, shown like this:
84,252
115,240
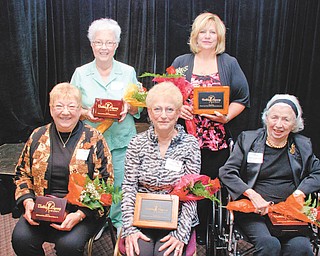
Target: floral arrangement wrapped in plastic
93,194
292,207
177,76
135,95
196,187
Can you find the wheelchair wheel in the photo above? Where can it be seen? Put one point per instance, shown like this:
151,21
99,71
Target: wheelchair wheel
211,248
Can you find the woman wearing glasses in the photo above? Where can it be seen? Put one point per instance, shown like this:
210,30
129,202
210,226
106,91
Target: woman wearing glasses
155,160
52,152
107,78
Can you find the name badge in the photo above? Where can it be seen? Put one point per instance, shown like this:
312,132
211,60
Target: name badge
82,154
256,158
173,165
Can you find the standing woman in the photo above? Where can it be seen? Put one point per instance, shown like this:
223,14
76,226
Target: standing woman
105,77
208,65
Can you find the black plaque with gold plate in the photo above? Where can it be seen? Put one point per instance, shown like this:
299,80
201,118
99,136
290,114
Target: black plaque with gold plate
207,100
156,211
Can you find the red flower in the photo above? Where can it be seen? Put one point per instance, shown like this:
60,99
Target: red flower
171,70
106,199
196,187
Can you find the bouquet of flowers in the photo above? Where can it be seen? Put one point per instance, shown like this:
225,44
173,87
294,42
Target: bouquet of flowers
293,207
93,194
135,95
177,77
196,187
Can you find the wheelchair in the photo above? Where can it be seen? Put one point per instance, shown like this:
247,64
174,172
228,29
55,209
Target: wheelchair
225,238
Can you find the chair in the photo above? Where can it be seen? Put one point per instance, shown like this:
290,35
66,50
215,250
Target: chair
120,248
106,224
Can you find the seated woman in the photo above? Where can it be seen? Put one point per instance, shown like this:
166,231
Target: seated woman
268,165
155,160
52,152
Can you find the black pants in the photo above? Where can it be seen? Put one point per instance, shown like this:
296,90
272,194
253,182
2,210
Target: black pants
211,161
256,229
27,239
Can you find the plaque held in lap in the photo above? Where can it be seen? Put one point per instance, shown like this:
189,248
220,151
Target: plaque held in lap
51,209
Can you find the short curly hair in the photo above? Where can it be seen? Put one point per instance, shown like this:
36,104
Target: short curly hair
104,24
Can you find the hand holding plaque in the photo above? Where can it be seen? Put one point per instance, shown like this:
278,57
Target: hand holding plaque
51,209
207,100
107,108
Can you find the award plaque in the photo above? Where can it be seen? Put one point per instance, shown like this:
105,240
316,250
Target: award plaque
107,108
51,209
282,226
156,211
206,100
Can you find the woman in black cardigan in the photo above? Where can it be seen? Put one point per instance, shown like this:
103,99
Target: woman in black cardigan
268,165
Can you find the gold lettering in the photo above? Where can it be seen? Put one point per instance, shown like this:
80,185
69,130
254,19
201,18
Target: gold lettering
49,207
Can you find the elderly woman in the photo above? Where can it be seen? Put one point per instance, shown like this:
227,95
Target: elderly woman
155,160
208,65
52,152
268,165
105,77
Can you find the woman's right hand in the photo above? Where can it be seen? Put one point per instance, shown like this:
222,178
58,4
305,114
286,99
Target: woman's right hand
29,206
131,243
261,205
88,115
186,112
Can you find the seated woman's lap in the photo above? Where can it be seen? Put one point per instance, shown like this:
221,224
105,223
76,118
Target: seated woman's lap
255,228
28,240
152,247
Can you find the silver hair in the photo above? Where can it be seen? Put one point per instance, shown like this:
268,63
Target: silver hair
104,24
299,123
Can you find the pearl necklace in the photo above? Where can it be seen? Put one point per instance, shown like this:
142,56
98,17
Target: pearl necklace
64,143
270,144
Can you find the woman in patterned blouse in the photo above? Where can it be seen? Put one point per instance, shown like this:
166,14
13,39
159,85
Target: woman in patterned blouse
155,160
52,152
208,65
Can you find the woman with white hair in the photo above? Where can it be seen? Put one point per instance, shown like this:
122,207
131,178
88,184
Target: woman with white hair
107,78
268,165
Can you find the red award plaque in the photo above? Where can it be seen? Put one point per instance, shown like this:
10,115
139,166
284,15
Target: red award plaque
107,108
51,209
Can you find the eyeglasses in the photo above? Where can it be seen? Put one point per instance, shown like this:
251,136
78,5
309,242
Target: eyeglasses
109,44
158,111
60,107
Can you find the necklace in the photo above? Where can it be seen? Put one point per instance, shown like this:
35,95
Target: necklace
64,143
270,144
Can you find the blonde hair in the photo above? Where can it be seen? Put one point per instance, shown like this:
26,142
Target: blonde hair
199,23
65,91
165,89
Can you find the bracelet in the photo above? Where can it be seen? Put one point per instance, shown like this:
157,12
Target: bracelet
227,119
80,217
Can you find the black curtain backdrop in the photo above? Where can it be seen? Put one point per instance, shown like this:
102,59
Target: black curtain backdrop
42,42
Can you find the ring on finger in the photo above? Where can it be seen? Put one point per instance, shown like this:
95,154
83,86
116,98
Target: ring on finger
259,211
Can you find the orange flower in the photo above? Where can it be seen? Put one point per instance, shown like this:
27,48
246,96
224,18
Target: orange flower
106,199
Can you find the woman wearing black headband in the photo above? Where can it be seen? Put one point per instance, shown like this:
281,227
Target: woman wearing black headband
268,165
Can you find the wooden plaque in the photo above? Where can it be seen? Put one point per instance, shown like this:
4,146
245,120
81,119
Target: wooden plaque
206,100
50,209
156,211
280,220
107,108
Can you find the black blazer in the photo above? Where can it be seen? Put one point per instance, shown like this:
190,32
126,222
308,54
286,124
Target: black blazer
238,175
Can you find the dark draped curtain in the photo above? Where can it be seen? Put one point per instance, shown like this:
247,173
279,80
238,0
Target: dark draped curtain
42,42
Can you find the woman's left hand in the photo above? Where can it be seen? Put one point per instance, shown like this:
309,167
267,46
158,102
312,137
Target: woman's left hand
217,117
69,222
172,244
